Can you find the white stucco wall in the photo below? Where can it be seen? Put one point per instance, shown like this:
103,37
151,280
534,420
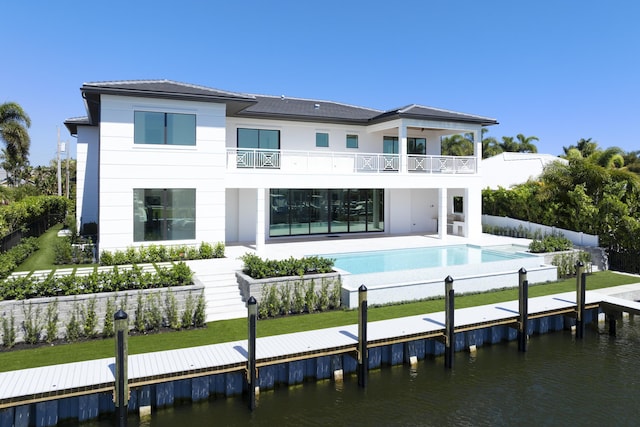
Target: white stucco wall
509,169
87,151
125,166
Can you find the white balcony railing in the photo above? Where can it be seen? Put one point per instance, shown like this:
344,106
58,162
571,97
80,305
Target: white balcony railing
334,162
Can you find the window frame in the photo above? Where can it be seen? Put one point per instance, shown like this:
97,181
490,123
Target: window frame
167,135
154,214
259,131
319,142
351,137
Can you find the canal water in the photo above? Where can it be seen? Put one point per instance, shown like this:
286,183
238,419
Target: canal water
559,381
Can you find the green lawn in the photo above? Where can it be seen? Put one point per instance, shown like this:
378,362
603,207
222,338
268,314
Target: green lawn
43,258
232,330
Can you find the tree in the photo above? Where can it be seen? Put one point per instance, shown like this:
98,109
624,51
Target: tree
14,123
457,145
612,157
586,147
525,143
490,145
521,144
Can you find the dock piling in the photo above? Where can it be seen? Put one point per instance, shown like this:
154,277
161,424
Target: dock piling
449,323
363,356
122,384
252,308
581,284
523,304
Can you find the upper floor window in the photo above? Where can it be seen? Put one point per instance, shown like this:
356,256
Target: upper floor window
416,146
322,139
352,141
164,128
264,139
390,145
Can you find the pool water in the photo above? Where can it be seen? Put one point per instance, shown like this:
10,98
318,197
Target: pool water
426,257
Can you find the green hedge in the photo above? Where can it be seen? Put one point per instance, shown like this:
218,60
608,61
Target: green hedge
159,253
257,268
550,243
18,215
15,256
117,279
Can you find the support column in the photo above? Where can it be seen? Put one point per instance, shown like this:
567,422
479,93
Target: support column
523,300
252,309
260,220
442,213
477,149
363,356
581,284
449,339
473,212
402,147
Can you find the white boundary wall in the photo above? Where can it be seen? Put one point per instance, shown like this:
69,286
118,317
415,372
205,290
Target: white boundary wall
578,238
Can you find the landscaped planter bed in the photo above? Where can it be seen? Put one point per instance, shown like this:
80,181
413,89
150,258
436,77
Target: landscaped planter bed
79,304
47,306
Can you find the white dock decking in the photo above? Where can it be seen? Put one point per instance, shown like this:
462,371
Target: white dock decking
46,383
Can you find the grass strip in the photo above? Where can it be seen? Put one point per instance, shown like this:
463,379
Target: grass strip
44,258
233,330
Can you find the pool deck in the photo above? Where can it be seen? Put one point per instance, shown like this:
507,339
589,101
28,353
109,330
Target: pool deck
74,379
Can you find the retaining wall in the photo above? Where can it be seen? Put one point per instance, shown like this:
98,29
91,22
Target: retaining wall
67,305
255,287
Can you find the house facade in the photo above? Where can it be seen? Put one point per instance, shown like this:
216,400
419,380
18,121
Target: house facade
173,163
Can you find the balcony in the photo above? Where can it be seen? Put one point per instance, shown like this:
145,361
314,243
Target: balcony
346,163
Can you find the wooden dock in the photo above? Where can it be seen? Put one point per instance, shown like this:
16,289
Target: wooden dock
31,386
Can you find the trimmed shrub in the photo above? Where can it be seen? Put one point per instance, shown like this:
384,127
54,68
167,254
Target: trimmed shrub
257,268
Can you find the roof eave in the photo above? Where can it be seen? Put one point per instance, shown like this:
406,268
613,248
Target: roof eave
385,117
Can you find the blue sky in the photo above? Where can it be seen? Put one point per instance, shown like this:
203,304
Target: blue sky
558,70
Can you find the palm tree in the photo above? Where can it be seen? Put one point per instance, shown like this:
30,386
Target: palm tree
508,144
586,147
490,145
13,132
610,158
525,143
457,145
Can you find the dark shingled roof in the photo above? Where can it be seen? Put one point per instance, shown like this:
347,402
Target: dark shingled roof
420,112
307,109
73,122
165,89
261,106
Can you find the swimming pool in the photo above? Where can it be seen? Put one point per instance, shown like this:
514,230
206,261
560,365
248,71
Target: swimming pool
424,257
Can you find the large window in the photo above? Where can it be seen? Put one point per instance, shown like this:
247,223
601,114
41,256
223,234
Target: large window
390,145
264,139
164,128
164,214
258,148
416,146
322,211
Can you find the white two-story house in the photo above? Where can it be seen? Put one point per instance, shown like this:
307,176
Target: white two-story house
171,163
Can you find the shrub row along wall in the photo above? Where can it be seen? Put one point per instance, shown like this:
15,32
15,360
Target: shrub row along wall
322,284
89,308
